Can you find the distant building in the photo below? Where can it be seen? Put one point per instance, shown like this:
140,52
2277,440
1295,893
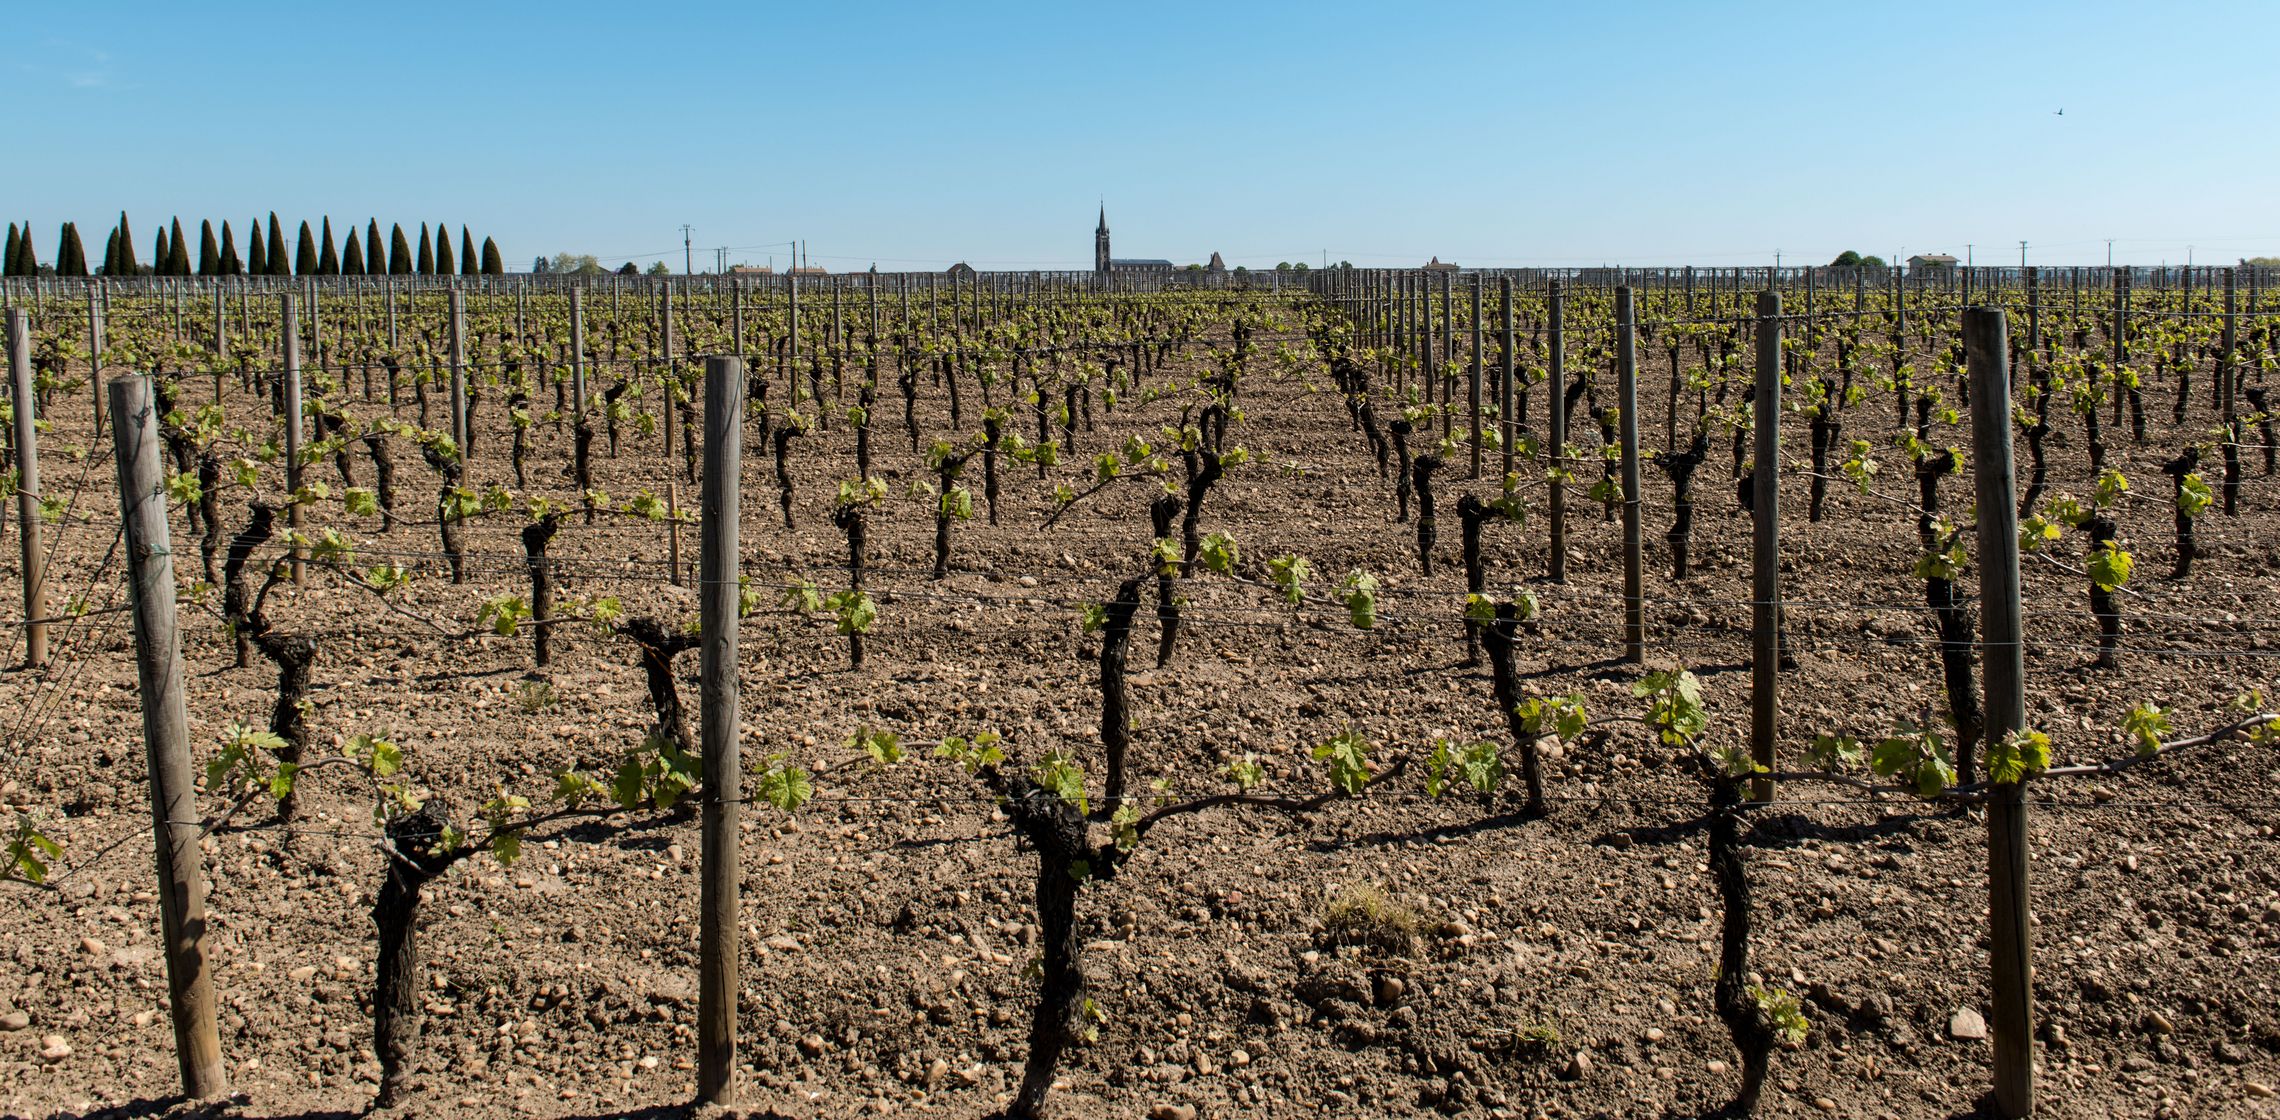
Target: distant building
751,270
1216,266
1439,265
809,270
1931,262
1104,263
960,271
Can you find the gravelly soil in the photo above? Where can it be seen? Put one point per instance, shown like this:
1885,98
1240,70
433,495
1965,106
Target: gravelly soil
1564,965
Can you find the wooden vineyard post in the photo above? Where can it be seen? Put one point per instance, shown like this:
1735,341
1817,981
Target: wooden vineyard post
166,737
723,778
1472,390
1398,322
289,335
2010,946
667,380
1505,424
28,489
459,431
1765,562
1421,336
2228,376
578,355
673,531
2034,321
1448,355
2121,345
1555,427
316,325
1627,399
792,336
95,352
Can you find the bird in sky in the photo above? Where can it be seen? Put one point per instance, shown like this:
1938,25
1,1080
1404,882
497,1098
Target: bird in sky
2060,113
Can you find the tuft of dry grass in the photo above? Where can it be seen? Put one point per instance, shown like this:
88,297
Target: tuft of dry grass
1362,914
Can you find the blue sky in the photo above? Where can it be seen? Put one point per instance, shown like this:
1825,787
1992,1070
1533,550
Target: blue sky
916,135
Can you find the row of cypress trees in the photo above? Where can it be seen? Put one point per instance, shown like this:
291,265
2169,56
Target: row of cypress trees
314,255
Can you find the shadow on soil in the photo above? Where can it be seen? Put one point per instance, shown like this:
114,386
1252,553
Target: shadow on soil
178,1108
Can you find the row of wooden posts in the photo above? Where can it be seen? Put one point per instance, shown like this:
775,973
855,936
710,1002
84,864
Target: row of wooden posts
178,827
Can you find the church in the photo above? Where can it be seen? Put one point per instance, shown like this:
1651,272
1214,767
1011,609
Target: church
1104,264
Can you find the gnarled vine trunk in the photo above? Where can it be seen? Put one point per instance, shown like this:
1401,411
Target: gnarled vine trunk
1115,722
1499,636
1736,1004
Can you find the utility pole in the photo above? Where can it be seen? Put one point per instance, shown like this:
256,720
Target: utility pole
1967,254
2109,252
2022,254
688,263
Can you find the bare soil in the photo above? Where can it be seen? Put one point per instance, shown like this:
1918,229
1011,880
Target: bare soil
1563,966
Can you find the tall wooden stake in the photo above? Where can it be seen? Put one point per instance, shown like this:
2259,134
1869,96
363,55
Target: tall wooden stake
673,531
2010,944
166,737
1765,582
1555,426
459,433
724,771
578,354
289,334
1472,388
1507,424
95,351
2228,384
1627,399
28,489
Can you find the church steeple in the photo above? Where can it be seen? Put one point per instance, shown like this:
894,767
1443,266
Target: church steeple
1100,241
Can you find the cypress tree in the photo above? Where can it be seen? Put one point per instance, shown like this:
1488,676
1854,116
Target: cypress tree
178,252
352,262
209,251
123,264
399,252
278,264
427,253
492,265
375,253
8,259
70,255
467,263
231,265
257,257
328,261
443,265
159,253
305,253
111,253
